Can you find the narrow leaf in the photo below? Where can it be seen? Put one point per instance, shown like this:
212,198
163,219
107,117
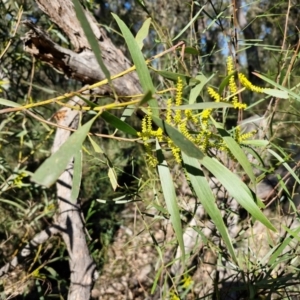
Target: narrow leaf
280,87
9,103
282,245
77,175
189,24
41,88
203,105
236,188
53,166
191,50
196,90
237,152
95,146
90,37
147,97
174,76
167,185
207,199
139,62
141,3
285,164
112,175
113,178
143,33
128,111
117,123
276,93
256,143
225,82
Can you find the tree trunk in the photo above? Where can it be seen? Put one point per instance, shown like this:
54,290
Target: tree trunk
82,65
69,219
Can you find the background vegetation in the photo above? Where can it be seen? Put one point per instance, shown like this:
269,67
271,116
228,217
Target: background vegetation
131,229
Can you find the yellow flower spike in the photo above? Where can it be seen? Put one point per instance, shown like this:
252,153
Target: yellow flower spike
239,137
202,140
239,105
159,134
247,136
230,67
205,116
237,133
175,150
152,160
169,112
183,129
178,101
248,85
144,124
149,120
189,115
233,89
214,94
232,85
177,117
179,88
176,153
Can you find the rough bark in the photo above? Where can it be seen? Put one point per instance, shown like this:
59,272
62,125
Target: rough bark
81,63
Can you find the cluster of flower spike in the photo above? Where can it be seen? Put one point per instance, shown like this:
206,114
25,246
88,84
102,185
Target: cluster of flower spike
196,126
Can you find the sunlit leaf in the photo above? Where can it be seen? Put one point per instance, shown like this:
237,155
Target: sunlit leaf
256,143
95,146
77,174
52,167
237,152
196,90
236,188
9,103
280,88
112,175
167,185
277,93
143,33
90,37
207,199
139,62
203,105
